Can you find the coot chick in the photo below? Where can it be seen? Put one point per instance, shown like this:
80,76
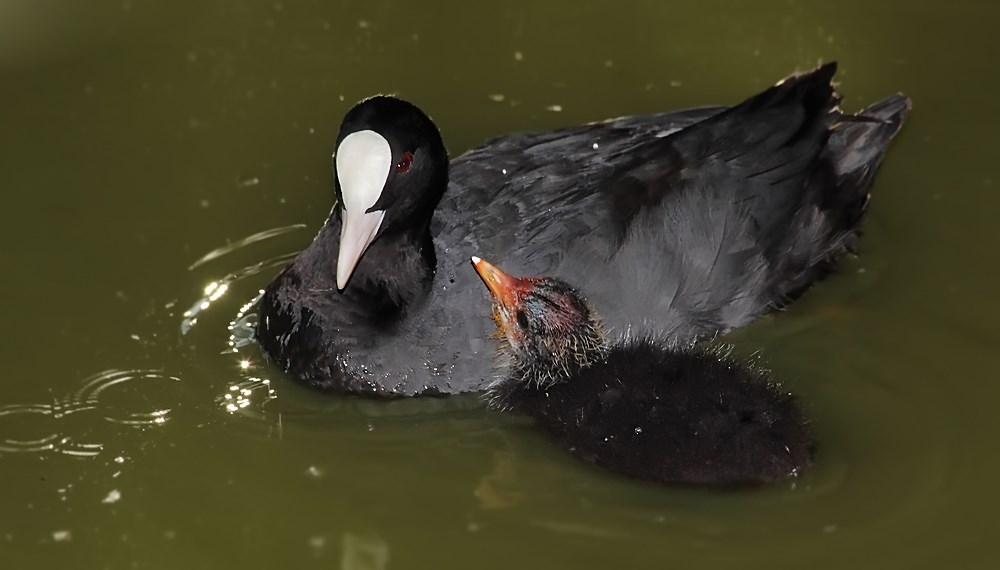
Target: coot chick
639,407
704,219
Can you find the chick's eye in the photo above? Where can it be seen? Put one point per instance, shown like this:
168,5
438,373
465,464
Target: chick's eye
522,319
404,163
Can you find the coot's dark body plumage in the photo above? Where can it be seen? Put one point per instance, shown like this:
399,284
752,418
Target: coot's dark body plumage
638,406
671,416
700,220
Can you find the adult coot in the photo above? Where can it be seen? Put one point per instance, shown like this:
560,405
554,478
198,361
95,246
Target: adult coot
700,220
639,407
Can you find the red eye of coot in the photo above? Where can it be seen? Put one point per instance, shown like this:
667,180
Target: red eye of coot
404,164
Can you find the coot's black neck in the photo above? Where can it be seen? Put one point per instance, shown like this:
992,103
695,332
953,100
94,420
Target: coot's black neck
395,273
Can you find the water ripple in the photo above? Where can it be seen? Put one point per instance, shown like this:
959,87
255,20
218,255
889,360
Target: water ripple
248,394
239,244
109,396
216,289
138,385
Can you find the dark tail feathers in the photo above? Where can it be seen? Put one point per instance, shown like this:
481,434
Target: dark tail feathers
855,149
852,155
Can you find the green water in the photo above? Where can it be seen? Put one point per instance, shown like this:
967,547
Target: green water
146,145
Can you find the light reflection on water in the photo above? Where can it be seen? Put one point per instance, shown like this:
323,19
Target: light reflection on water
248,395
217,288
238,396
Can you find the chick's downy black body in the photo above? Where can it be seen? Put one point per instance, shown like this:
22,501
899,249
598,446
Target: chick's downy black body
698,221
671,416
639,407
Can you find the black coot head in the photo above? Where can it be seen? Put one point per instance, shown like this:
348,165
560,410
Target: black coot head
549,326
390,169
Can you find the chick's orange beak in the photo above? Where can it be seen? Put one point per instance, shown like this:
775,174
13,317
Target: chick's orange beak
501,285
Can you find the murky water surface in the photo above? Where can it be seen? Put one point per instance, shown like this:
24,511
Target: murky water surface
160,161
